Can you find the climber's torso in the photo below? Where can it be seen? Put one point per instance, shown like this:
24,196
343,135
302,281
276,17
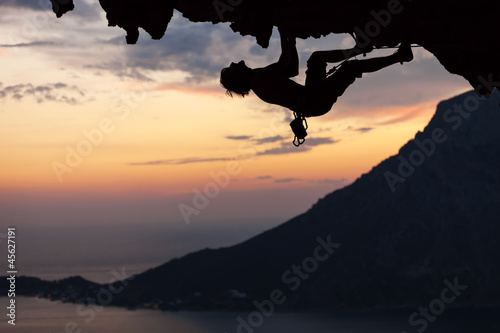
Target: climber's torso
279,90
275,89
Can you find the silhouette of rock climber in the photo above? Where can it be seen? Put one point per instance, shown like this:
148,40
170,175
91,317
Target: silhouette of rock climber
273,85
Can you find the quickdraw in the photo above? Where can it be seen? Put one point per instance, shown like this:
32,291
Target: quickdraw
299,127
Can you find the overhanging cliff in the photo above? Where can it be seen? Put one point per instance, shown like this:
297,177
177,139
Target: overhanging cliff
463,35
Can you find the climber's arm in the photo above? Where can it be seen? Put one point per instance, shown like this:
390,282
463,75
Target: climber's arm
288,63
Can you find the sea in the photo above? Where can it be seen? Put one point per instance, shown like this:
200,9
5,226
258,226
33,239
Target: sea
35,315
121,251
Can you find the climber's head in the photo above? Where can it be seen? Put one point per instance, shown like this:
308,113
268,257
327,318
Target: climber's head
237,79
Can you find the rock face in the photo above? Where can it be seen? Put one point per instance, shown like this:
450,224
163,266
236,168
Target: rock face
463,35
418,219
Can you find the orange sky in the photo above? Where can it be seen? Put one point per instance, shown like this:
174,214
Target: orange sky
106,147
93,115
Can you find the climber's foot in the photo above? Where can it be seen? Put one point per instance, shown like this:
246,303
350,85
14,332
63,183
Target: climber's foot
404,53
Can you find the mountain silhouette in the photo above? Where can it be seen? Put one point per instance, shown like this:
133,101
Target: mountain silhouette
398,240
461,34
421,221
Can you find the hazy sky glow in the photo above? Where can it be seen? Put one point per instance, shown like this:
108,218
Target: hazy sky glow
159,124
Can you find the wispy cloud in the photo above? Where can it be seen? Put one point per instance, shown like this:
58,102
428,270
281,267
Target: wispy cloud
312,142
287,148
261,141
284,148
199,49
31,44
88,10
271,139
121,70
264,177
51,92
326,181
406,115
363,129
31,4
185,48
330,181
183,161
239,137
288,180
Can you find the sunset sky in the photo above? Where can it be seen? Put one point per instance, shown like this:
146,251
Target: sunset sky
153,125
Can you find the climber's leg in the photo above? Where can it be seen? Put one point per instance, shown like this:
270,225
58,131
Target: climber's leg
316,71
338,82
317,62
319,97
337,55
403,54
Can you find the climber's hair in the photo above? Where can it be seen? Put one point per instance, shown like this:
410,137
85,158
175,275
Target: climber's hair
233,81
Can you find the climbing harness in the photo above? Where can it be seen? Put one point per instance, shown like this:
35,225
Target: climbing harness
299,127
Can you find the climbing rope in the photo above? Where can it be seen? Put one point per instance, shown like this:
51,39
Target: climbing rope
299,129
394,47
334,68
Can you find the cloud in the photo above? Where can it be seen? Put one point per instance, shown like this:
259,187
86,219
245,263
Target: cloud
52,92
31,4
121,70
377,95
184,47
271,139
320,141
288,180
199,49
238,137
330,181
363,129
288,148
31,44
88,10
326,181
406,115
285,147
182,161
